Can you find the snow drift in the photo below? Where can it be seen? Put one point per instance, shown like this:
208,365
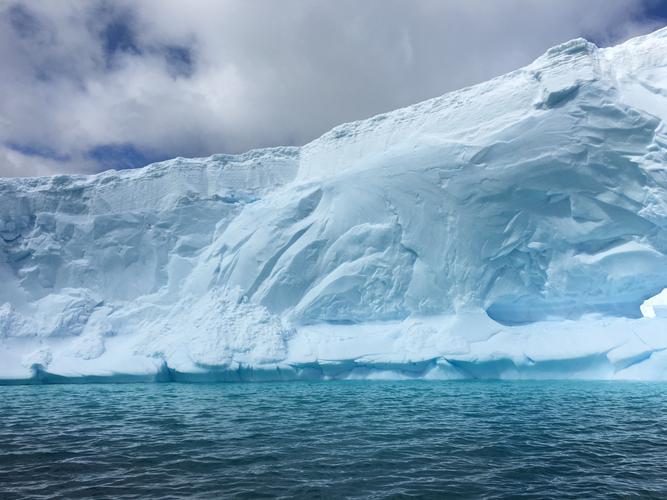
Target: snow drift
511,229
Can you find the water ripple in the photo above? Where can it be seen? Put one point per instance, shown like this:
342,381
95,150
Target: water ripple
339,439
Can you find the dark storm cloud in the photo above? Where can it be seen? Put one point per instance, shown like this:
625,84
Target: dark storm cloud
88,85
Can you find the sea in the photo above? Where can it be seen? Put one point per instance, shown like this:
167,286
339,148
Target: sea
335,439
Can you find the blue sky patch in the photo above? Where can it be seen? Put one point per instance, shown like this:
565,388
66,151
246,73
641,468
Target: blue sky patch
121,156
36,150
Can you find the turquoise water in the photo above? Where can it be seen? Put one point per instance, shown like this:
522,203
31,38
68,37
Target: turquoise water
334,439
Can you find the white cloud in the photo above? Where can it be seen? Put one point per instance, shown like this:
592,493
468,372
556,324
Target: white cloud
263,72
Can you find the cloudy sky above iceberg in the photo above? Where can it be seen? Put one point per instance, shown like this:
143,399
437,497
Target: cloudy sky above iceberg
88,85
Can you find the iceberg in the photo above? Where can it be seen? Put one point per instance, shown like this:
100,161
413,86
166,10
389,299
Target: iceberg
513,229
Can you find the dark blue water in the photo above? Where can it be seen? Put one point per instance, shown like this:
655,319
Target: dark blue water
335,439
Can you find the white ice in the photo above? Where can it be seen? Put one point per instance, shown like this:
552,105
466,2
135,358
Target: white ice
513,229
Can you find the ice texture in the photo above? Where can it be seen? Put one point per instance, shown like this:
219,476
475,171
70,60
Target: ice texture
513,229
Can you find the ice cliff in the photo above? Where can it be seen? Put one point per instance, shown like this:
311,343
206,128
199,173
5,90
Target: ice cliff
516,228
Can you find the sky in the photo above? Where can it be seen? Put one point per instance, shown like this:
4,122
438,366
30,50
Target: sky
88,85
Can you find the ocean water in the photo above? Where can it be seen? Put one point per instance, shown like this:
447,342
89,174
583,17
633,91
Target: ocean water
357,439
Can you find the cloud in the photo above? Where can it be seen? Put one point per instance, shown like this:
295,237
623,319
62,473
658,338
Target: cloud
90,85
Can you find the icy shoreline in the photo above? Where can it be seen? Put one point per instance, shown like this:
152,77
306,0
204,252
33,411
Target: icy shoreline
611,349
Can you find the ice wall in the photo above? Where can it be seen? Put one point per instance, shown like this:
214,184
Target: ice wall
529,210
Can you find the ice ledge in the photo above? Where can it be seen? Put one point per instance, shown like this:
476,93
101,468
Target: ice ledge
593,348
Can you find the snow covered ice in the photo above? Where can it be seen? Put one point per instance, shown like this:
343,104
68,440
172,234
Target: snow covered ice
513,229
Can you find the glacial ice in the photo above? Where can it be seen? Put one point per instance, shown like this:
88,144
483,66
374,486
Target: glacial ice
513,229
